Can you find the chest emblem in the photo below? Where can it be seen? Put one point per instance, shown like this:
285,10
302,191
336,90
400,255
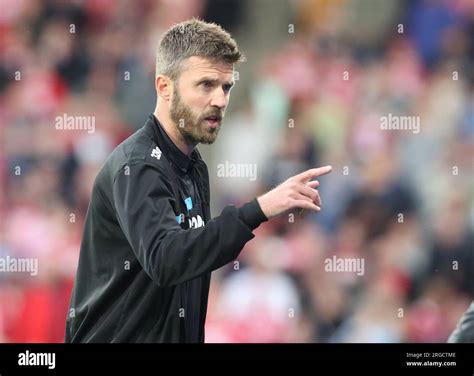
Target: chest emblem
156,152
193,221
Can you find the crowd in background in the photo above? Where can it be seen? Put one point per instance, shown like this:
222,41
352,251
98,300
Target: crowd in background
312,94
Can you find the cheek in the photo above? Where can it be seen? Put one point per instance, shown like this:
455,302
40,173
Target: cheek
197,100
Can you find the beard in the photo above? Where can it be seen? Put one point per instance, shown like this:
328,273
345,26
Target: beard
191,126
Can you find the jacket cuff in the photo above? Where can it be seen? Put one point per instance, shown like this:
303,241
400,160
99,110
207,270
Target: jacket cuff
251,214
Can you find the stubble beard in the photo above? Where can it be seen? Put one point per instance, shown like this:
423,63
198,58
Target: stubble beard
191,126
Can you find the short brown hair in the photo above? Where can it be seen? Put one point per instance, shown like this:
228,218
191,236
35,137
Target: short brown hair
194,38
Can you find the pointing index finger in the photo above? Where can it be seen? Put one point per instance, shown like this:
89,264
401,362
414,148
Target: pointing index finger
313,173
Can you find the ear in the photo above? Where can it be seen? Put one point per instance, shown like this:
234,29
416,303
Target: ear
164,87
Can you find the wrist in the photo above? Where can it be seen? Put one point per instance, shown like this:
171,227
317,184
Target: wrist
252,214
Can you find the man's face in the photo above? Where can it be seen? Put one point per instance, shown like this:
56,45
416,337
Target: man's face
200,99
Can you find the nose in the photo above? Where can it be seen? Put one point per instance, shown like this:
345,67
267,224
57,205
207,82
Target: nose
219,99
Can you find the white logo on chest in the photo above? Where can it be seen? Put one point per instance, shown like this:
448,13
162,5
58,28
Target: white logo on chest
156,152
196,222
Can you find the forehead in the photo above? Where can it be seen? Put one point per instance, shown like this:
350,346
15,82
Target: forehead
196,66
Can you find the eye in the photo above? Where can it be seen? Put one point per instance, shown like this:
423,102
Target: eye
227,88
206,84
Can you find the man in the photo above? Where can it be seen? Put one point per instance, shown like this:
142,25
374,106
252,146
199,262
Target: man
149,243
464,331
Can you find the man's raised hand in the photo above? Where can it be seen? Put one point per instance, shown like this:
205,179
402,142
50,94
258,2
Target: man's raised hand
295,192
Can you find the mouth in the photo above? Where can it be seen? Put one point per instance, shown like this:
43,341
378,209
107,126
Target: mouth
213,121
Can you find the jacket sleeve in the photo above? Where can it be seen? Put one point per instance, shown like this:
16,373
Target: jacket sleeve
144,201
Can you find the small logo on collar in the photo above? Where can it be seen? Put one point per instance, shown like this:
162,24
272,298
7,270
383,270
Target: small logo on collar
156,152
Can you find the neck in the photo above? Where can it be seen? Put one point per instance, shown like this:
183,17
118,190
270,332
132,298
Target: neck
172,131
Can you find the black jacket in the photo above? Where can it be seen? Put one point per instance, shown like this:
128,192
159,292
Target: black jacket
149,245
464,331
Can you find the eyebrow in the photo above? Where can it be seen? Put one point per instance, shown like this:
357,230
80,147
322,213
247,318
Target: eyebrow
214,81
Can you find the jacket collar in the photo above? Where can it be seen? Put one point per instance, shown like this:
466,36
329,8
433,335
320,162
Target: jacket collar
155,130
